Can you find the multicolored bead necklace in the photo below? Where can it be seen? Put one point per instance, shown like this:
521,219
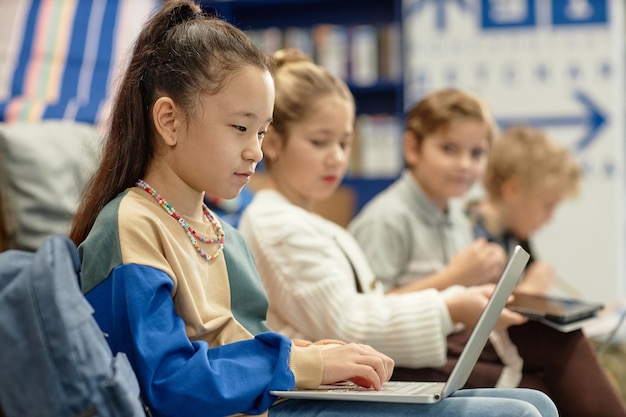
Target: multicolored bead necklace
191,233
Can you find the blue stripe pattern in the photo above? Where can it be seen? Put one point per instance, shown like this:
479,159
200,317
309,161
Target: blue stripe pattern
17,86
87,70
75,60
100,78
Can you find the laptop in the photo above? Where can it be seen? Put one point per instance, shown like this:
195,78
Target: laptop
431,392
553,309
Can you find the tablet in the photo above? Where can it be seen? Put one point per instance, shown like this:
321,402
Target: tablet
555,309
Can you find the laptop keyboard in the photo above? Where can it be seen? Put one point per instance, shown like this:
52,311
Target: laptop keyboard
407,387
390,387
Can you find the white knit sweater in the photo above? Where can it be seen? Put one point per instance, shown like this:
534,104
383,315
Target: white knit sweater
308,266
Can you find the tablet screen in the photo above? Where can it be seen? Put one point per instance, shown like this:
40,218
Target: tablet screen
560,310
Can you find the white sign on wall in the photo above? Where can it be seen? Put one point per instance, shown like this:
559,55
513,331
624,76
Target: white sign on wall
558,65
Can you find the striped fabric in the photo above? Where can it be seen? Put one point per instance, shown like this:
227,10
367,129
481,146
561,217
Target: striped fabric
59,59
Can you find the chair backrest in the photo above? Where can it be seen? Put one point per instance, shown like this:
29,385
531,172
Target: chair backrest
54,358
44,167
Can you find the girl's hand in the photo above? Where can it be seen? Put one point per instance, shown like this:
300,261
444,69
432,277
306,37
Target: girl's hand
358,363
467,306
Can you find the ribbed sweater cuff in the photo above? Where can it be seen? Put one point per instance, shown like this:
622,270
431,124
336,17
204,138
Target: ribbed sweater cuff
447,325
307,366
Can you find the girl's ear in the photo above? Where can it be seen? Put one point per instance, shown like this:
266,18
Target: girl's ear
271,144
167,120
410,148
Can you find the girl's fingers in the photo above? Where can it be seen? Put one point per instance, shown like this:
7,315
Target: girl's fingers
509,318
362,381
382,363
360,364
372,367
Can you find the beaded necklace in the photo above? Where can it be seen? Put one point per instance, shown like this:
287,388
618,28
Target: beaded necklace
191,233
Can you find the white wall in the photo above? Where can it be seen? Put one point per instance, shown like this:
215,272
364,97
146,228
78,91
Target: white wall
559,65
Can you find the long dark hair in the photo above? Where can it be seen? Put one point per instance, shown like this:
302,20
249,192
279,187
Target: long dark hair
182,53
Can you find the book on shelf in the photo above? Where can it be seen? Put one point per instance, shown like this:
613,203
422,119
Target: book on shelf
300,38
390,53
331,45
363,62
270,39
363,54
378,149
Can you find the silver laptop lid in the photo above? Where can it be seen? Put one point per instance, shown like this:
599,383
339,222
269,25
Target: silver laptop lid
472,350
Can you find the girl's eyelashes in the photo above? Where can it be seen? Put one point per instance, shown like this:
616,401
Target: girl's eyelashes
243,129
345,145
478,153
449,149
346,141
321,143
263,131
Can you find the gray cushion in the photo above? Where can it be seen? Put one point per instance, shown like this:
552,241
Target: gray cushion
45,166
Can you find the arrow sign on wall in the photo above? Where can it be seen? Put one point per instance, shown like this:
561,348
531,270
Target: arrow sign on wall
417,5
592,120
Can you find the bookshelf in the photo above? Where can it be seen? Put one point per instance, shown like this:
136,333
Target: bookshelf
358,40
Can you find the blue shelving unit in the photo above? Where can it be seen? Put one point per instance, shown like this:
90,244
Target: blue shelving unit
255,14
382,97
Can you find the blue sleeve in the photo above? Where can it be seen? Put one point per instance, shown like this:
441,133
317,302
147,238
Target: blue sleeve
179,377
